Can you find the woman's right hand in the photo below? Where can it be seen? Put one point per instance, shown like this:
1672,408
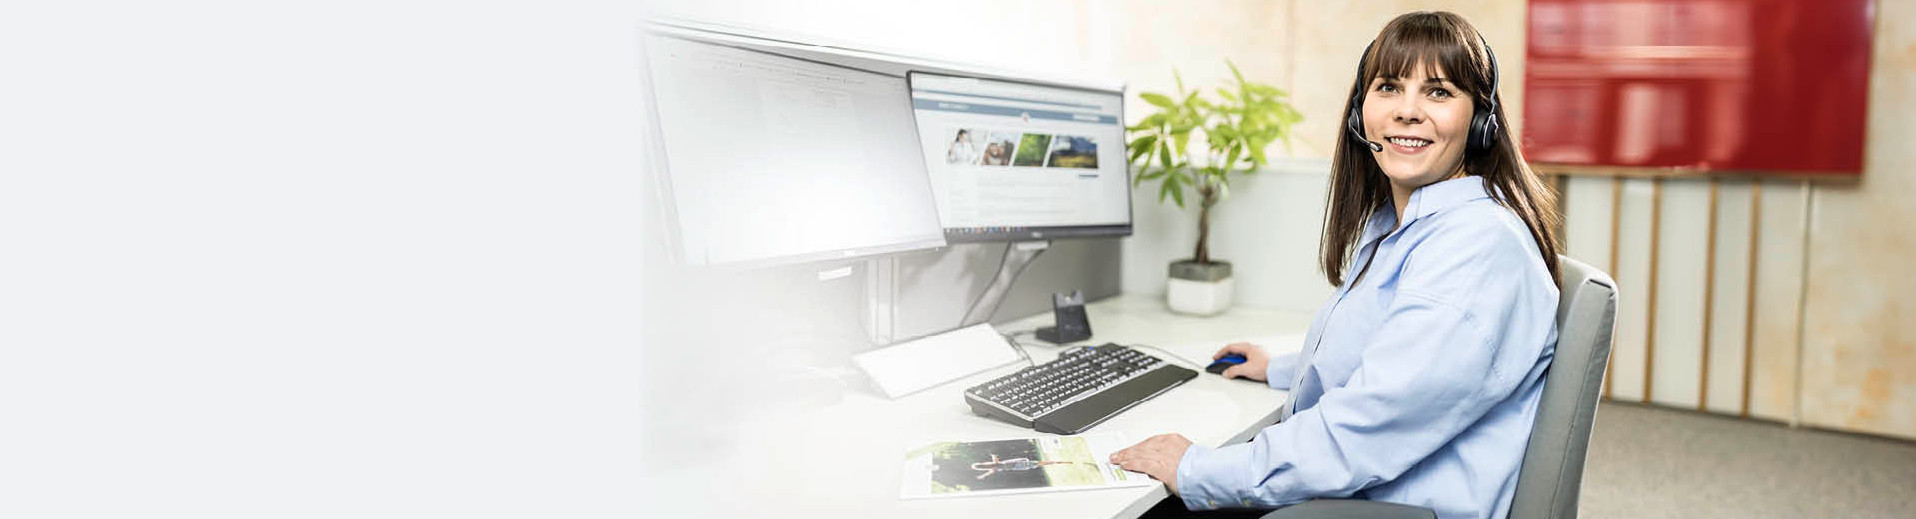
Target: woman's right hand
1255,360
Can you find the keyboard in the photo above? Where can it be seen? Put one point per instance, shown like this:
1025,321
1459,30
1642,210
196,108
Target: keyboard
1081,389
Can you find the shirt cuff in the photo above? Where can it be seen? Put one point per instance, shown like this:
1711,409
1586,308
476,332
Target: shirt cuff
1278,372
1201,489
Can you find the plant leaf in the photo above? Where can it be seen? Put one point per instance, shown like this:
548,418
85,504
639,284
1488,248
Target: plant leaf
1177,193
1171,188
1158,99
1229,96
1142,146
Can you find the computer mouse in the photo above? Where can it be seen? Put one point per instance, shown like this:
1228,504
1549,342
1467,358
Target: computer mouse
1223,363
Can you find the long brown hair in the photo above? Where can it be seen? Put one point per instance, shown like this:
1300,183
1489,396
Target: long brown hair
1452,49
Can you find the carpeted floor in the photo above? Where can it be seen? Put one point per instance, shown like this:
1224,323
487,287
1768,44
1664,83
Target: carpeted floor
1650,462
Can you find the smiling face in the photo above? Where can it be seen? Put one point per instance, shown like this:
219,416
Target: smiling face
1423,121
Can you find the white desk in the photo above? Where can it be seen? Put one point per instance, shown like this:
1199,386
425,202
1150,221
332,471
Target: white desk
843,459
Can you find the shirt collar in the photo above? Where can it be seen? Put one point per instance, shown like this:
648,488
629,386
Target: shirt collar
1381,223
1430,199
1423,202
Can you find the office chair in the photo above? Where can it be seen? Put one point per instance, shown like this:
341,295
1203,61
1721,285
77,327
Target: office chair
1552,473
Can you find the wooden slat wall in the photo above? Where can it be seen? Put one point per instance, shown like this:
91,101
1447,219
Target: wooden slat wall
1730,291
1779,301
1633,251
1710,280
1682,277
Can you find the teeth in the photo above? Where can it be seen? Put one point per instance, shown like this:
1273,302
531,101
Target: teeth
1409,142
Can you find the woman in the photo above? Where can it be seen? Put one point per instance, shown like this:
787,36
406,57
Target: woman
1420,378
962,151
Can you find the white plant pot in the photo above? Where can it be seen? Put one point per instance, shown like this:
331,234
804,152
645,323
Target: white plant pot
1200,297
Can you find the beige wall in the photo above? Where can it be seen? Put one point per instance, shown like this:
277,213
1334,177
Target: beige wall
1859,348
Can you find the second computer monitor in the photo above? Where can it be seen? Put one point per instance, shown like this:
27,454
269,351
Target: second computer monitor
776,159
1023,161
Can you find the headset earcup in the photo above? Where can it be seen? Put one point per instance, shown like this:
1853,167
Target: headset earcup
1483,130
1355,122
1492,129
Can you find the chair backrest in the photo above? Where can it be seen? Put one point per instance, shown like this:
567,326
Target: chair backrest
1552,472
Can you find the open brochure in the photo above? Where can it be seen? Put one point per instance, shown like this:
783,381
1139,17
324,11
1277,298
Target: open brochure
1016,466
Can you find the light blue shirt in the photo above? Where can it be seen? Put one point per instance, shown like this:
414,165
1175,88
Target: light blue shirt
1419,381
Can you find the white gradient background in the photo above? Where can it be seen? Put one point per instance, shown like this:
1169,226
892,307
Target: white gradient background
324,259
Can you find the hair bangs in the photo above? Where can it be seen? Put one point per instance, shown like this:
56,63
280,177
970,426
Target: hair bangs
1445,50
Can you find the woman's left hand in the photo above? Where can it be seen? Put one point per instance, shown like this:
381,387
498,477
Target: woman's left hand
1157,456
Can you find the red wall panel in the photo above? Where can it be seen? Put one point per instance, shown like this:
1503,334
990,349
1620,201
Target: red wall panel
1766,86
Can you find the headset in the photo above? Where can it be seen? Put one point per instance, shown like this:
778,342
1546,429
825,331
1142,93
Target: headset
1484,127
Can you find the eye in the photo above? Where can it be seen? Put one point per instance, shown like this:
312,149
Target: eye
1387,87
1440,93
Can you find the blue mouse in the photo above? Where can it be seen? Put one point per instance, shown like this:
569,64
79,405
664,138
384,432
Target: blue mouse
1223,363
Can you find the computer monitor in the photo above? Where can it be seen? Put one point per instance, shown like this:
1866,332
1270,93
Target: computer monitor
1017,161
773,159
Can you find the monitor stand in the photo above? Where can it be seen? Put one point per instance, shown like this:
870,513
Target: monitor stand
908,367
1017,256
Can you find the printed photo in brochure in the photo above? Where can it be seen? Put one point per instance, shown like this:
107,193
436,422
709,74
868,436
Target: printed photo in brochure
1049,464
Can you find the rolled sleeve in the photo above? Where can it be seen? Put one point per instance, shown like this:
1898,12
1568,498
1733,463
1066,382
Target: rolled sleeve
1280,370
1205,479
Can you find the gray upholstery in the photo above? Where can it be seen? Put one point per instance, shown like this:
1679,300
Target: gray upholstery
1552,472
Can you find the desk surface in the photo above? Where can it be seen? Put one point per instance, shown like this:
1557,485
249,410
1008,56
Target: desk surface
844,459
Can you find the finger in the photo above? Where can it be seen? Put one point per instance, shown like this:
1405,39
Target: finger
1235,347
1239,371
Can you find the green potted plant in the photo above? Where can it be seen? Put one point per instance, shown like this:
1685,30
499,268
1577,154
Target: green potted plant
1236,128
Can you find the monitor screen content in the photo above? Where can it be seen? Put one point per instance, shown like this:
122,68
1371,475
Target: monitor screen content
772,159
1021,161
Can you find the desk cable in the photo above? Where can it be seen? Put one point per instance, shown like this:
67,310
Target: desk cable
1020,346
1194,365
1026,355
